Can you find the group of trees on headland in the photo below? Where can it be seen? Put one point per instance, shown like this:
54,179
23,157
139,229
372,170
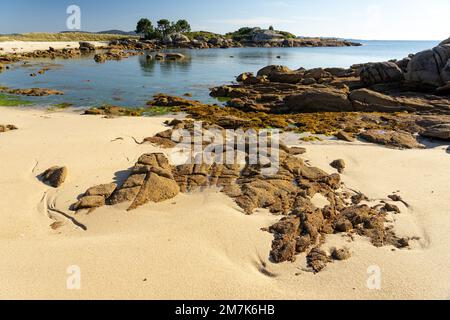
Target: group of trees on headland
163,28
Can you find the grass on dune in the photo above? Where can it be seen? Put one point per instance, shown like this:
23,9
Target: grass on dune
69,36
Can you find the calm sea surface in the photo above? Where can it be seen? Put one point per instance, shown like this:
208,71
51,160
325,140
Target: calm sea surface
133,81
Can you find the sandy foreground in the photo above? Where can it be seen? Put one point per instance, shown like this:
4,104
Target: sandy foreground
30,46
198,246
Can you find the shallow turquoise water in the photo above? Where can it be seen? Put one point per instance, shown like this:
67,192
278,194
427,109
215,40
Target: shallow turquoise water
133,81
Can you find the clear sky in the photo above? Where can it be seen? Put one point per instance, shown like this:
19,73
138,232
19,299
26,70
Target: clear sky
359,19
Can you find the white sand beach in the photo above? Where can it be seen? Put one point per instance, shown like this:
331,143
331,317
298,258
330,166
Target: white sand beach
198,246
30,46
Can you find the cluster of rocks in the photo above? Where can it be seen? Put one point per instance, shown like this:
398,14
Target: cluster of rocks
167,56
115,54
32,92
287,193
7,127
417,85
395,130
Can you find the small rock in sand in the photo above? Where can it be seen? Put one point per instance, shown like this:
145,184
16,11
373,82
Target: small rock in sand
55,176
7,127
317,260
341,254
339,165
391,208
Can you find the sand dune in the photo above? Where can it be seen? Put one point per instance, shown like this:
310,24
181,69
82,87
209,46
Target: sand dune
198,246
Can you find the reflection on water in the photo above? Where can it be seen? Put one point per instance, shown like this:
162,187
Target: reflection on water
133,81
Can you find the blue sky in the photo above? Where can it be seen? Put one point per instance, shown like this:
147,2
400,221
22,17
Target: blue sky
359,19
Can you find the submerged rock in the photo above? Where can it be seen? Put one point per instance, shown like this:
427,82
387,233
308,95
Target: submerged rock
174,56
33,92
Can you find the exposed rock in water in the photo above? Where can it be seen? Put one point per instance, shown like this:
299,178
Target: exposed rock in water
7,127
54,176
393,139
35,92
174,56
100,58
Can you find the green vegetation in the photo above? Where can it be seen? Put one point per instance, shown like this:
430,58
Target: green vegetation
159,111
242,34
202,34
69,36
246,34
223,99
7,100
164,28
151,111
60,106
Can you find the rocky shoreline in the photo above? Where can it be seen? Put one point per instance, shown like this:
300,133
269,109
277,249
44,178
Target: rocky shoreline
119,49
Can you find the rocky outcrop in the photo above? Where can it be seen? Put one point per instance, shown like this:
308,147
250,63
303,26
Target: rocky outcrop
447,41
151,180
279,90
55,176
325,98
439,131
287,192
267,36
179,38
429,68
383,72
